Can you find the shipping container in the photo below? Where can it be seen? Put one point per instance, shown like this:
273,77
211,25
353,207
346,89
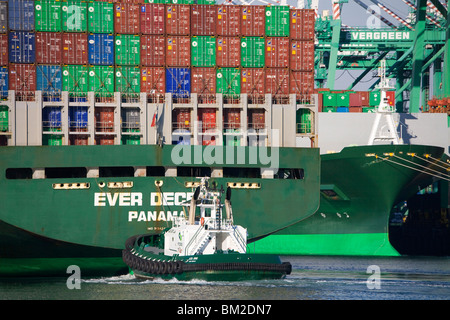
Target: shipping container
4,118
153,52
101,49
277,21
21,15
74,16
130,119
104,119
342,109
329,99
343,99
181,118
203,20
4,83
355,109
101,80
75,80
302,24
100,17
203,82
178,19
74,48
303,121
127,49
48,15
52,140
153,82
78,140
48,47
301,55
152,19
203,51
374,98
359,99
126,18
104,140
51,118
49,80
78,120
130,140
253,21
3,17
178,82
228,20
277,52
277,82
4,59
22,47
390,95
207,116
253,82
228,52
252,52
178,51
256,118
228,82
128,79
22,78
301,84
231,120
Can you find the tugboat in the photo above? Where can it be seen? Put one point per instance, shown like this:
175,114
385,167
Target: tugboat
208,247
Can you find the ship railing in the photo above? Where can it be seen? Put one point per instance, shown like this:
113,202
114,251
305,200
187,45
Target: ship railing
206,98
280,99
256,99
155,97
51,126
5,127
194,241
231,98
183,126
239,238
25,96
130,128
204,126
104,126
104,97
304,128
78,126
257,128
130,97
78,96
231,127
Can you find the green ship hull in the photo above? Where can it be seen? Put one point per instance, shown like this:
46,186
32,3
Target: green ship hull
359,187
56,213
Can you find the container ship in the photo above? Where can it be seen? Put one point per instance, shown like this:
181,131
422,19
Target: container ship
110,112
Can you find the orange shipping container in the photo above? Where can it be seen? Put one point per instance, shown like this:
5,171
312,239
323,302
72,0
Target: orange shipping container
252,81
301,84
126,18
228,51
253,21
152,18
203,20
228,20
302,24
153,50
4,58
104,119
203,82
75,48
153,81
178,51
277,52
301,55
277,81
48,47
178,19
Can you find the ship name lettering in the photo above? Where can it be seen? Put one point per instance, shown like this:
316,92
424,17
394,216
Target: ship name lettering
125,199
153,215
169,198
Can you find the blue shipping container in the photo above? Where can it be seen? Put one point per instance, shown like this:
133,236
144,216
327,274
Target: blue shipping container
21,15
101,49
51,117
22,47
78,117
3,82
48,80
178,82
342,109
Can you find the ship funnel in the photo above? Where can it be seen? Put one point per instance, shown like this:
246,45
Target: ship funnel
193,206
228,204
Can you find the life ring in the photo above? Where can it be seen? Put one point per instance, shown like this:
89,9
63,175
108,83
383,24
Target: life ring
202,221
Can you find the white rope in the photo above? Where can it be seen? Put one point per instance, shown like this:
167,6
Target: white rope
419,165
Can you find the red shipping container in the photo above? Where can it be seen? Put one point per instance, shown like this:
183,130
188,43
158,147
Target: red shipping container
178,19
152,18
232,118
390,95
302,24
208,118
253,21
277,52
4,49
78,140
252,81
153,50
104,119
228,20
228,52
153,81
22,77
126,18
178,51
203,81
256,118
182,118
48,47
355,109
309,20
75,48
359,99
301,55
104,140
277,81
203,20
301,84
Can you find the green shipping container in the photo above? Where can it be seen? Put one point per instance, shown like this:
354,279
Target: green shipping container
329,99
101,17
101,80
368,109
343,99
74,16
75,79
228,82
374,98
51,140
127,49
4,118
159,1
47,15
277,21
203,51
252,52
303,121
329,109
131,140
128,79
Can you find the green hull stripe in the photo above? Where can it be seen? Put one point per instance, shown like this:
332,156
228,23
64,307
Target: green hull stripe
356,244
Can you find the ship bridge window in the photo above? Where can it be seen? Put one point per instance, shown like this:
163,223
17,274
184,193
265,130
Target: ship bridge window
156,171
19,173
194,172
57,173
283,173
105,172
233,172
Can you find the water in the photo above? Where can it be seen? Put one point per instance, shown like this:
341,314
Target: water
312,278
